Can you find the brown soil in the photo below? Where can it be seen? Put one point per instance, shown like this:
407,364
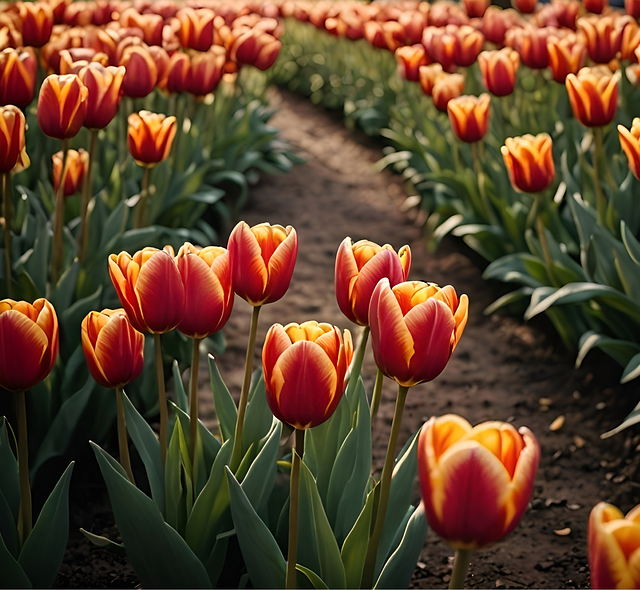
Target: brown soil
500,370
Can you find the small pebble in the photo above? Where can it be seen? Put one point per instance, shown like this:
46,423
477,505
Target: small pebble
563,532
499,584
557,424
601,406
579,441
422,565
446,579
574,506
545,401
576,394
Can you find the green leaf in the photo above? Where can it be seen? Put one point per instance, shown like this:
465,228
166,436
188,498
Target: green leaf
630,420
71,319
43,550
262,556
314,578
11,574
632,370
216,562
620,350
9,482
181,395
226,410
177,481
258,419
8,528
62,296
630,242
521,268
157,553
508,299
99,541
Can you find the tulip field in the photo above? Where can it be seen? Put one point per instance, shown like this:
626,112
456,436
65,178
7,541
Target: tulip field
319,294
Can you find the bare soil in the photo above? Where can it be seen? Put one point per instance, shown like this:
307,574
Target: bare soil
501,369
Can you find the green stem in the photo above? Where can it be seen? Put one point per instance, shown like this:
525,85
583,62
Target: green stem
533,212
292,555
377,396
123,445
6,200
385,487
86,195
477,168
180,108
236,456
601,200
460,568
57,257
162,399
193,398
546,254
25,523
144,195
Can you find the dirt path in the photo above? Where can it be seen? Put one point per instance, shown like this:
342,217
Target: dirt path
500,370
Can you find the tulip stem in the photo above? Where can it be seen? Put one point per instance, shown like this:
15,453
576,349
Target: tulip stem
477,168
292,554
162,399
236,457
25,523
193,399
534,217
6,203
142,203
356,367
57,258
601,200
377,395
123,444
385,487
86,195
460,568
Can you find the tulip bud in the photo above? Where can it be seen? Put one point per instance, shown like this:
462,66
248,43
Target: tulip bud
196,28
409,59
566,56
593,95
499,70
445,88
12,150
630,142
37,22
469,116
103,41
440,45
77,166
139,279
529,162
475,482
114,349
630,41
104,86
374,35
304,371
603,35
141,72
28,343
428,75
359,268
161,58
62,106
447,13
262,259
206,276
150,137
566,12
413,22
468,45
415,327
18,69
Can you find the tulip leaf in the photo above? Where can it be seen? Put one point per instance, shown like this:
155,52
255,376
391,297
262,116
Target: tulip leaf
157,553
9,482
621,351
181,396
43,550
265,564
178,485
8,528
36,260
62,296
216,562
225,407
521,268
314,578
114,225
71,319
631,370
630,242
258,419
11,574
508,299
148,448
399,568
108,544
351,470
317,546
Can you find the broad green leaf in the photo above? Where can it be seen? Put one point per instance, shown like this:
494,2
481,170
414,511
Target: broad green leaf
314,578
632,369
62,296
632,419
157,553
177,481
630,242
99,541
9,482
262,556
8,528
225,407
259,417
181,396
43,550
71,319
521,268
508,299
11,574
620,350
216,562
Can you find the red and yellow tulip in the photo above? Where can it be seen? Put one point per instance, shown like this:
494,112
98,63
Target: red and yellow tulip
12,146
409,59
37,22
77,166
141,72
499,70
593,94
603,36
62,106
566,56
103,84
18,68
445,88
196,28
630,142
469,116
529,162
150,137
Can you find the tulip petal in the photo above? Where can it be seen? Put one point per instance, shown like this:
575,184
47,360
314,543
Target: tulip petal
346,274
275,343
281,266
113,351
249,269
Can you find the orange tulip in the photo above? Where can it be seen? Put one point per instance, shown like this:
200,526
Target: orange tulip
475,482
206,276
566,56
177,76
113,348
77,166
632,8
262,259
529,162
499,70
415,327
469,116
526,6
469,42
150,24
104,86
141,72
409,59
18,69
496,22
139,279
304,371
37,22
596,6
150,137
103,41
476,8
12,150
440,44
62,106
359,268
374,34
630,142
613,546
566,12
630,41
603,35
593,94
445,88
206,71
254,48
531,43
28,342
196,28
413,22
428,75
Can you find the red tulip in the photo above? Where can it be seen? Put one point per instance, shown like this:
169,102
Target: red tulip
104,86
630,142
150,137
77,166
529,162
469,117
12,146
593,95
18,69
62,106
37,22
409,60
499,70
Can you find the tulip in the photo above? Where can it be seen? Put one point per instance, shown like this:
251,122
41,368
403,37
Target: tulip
103,41
499,70
596,6
440,44
114,349
630,42
428,75
37,22
196,28
177,76
632,8
18,69
62,106
263,258
141,72
413,22
567,12
206,72
566,56
374,34
304,371
447,13
613,543
409,59
469,42
161,58
469,116
529,162
150,137
630,142
476,8
12,146
445,88
150,24
496,22
526,6
77,166
73,60
603,36
103,84
359,268
531,44
593,94
475,482
255,48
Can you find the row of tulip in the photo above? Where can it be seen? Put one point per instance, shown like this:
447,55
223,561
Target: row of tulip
569,239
